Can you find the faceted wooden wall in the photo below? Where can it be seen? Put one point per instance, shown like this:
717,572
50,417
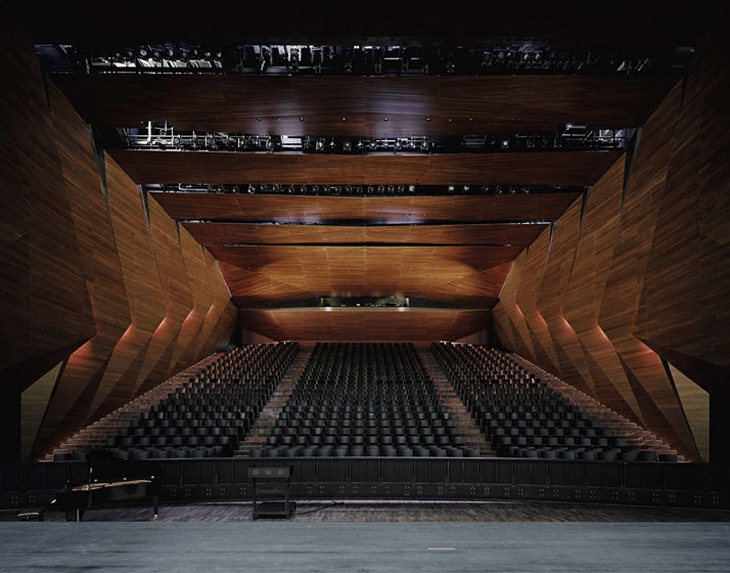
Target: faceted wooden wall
93,278
640,274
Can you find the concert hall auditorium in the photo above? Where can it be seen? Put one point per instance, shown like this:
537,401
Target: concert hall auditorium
291,287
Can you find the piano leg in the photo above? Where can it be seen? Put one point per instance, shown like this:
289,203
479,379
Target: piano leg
74,514
155,507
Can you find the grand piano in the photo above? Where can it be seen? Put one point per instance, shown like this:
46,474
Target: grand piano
110,481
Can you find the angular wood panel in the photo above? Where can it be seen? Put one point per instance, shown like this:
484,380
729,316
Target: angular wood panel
392,210
640,280
464,276
45,309
370,106
536,168
252,234
365,325
85,368
684,308
88,279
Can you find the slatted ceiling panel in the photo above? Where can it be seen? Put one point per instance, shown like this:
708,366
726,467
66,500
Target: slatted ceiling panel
298,209
353,324
520,168
455,105
261,256
469,276
243,233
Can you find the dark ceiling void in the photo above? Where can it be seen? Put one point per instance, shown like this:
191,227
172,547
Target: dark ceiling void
650,24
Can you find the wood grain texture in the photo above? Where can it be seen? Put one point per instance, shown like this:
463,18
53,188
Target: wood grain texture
88,280
257,234
642,276
518,168
85,368
688,268
412,105
555,301
392,210
365,325
44,302
465,276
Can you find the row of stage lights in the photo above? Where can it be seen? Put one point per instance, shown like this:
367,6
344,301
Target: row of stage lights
358,190
259,59
571,137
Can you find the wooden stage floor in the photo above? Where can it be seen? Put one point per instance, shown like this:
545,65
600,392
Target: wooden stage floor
374,537
398,511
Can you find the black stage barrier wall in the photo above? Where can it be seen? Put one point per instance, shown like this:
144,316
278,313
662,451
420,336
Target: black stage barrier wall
210,479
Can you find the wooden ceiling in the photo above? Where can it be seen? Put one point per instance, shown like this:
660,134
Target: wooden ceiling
365,325
365,106
258,234
463,276
456,250
392,210
535,168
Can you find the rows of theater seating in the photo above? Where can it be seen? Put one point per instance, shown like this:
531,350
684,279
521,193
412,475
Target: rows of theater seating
364,400
208,415
521,415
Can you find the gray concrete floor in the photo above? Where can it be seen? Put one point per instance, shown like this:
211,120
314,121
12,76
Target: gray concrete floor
278,547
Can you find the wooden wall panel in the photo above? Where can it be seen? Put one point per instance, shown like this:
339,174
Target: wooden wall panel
465,276
528,168
144,292
659,407
412,105
641,282
100,263
88,280
252,234
393,210
45,311
178,300
684,309
558,298
365,325
213,293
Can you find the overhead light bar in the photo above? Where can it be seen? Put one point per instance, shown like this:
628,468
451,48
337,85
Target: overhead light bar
492,57
359,190
163,136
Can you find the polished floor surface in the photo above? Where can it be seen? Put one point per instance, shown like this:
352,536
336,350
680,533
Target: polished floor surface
370,537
